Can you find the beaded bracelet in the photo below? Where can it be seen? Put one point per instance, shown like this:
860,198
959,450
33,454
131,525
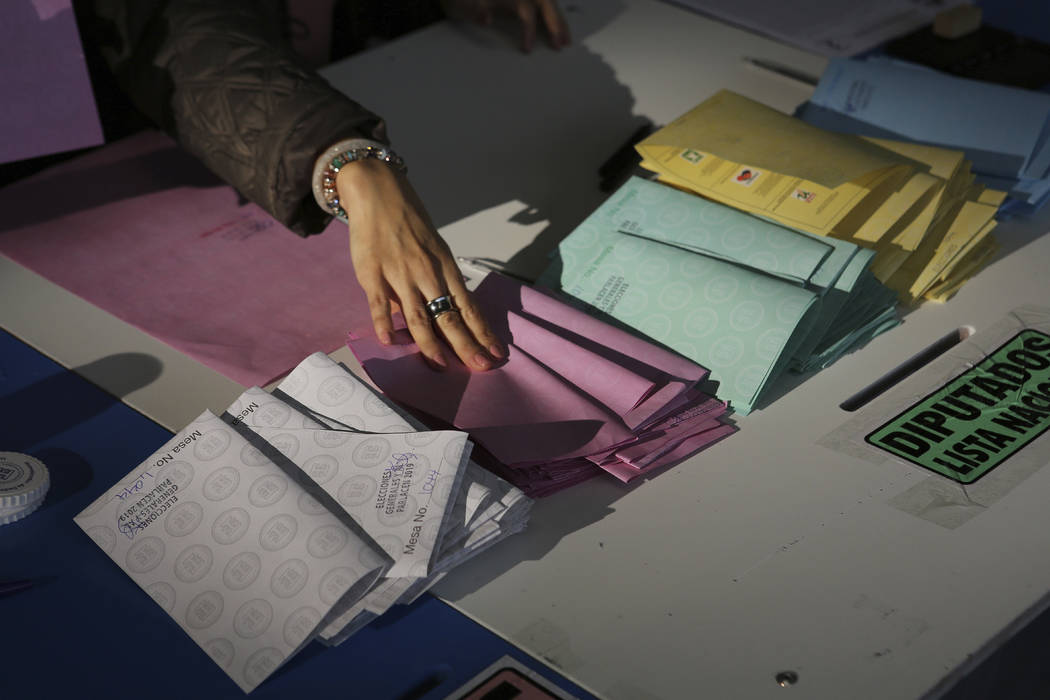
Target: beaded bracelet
328,165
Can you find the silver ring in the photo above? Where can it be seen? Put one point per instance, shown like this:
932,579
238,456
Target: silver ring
441,305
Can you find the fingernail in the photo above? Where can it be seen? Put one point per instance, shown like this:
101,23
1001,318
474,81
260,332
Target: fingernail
384,338
439,361
482,361
496,351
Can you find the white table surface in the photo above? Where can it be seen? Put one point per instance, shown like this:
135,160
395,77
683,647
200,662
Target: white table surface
762,554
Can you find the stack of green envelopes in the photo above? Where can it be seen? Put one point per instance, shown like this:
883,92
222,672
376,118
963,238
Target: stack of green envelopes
740,295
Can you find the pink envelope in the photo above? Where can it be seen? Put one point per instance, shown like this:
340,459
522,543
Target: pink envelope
572,393
48,104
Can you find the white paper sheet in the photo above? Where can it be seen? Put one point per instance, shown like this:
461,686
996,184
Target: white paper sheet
238,554
260,530
824,26
483,508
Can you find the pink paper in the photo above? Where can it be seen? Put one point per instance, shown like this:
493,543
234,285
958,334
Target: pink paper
48,105
678,452
142,230
575,393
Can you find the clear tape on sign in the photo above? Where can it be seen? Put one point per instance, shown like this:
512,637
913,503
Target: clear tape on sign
975,421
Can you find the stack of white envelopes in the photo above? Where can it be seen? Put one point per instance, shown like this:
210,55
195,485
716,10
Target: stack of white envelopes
474,508
303,513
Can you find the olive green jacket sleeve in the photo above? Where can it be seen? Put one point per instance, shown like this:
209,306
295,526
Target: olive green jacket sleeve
219,77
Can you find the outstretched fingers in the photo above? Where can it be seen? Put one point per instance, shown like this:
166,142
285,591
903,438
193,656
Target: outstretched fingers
470,317
557,28
526,13
400,258
451,325
415,284
379,297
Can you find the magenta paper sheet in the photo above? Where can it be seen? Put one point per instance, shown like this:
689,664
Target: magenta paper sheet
142,230
576,396
47,104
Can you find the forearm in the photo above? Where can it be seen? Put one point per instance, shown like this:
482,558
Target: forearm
219,78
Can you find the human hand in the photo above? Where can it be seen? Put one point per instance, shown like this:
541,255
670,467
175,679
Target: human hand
399,258
525,12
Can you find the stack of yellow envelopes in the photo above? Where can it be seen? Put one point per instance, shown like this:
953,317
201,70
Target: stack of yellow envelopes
917,206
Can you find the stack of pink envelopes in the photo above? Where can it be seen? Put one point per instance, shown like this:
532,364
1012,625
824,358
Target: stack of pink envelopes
575,397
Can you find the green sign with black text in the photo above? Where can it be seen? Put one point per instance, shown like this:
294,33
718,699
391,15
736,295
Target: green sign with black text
975,422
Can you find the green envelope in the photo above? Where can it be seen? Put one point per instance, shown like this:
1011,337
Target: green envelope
740,295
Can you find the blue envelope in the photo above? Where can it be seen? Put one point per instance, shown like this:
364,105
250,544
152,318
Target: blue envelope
741,295
1003,130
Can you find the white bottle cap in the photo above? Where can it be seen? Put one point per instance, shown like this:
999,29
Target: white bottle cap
10,515
24,481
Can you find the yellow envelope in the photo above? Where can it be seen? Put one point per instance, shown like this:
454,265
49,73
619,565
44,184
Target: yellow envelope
951,195
943,162
791,201
736,129
751,157
959,243
948,241
992,197
978,258
907,214
879,191
887,261
899,209
916,205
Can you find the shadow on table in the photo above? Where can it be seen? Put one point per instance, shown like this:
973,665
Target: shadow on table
59,403
551,519
1012,665
137,166
501,126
